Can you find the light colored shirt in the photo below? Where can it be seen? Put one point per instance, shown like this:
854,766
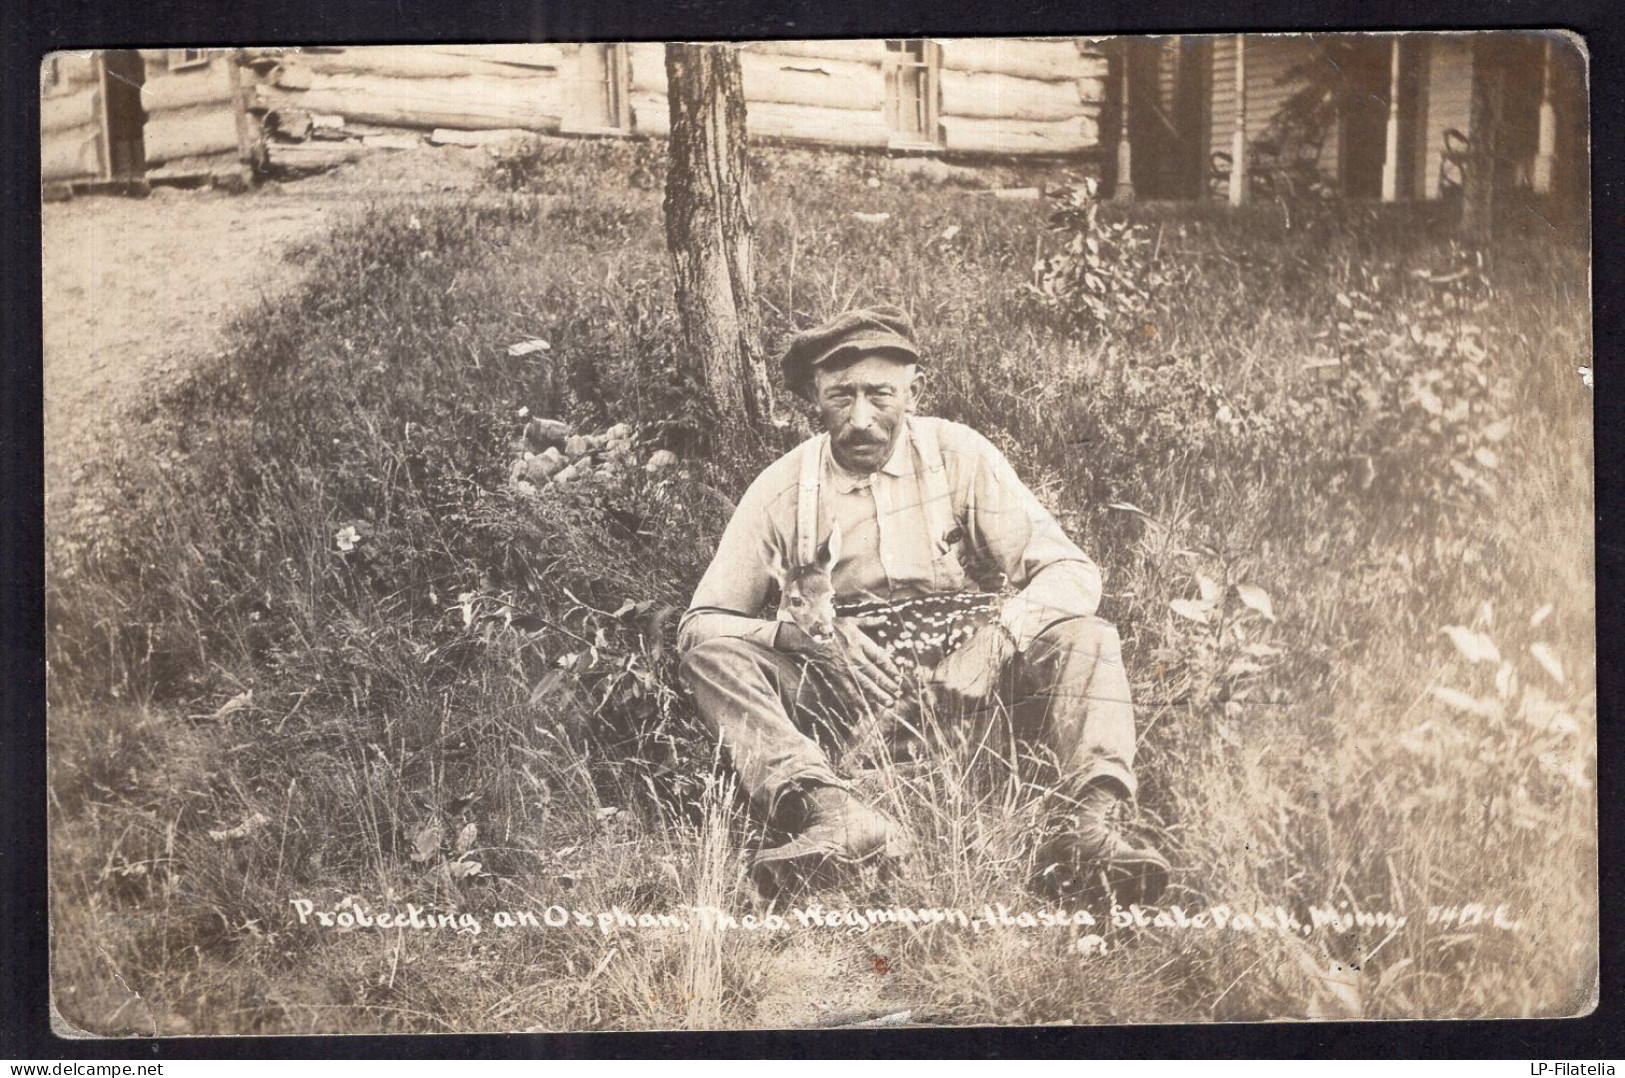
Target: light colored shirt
886,551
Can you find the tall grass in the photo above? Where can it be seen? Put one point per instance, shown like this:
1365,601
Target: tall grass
480,657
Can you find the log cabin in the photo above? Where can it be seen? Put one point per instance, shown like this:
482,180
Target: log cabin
1015,97
164,112
1228,117
91,117
127,115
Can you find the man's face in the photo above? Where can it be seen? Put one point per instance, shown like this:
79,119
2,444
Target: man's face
863,404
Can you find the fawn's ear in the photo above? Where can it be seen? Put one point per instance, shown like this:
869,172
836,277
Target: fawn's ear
829,552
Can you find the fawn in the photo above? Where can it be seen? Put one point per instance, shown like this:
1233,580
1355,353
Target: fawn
916,633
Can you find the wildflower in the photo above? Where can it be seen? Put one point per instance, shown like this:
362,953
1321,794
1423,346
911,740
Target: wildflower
347,538
1091,945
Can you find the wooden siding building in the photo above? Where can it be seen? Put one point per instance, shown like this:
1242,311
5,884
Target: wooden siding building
1365,116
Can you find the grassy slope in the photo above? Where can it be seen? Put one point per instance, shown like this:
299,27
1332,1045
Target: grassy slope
466,664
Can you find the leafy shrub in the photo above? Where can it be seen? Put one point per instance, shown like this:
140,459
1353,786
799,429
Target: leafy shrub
1107,271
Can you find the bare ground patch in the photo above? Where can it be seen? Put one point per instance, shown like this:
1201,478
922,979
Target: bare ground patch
138,291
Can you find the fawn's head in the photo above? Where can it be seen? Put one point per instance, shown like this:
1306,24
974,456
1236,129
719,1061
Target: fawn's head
808,593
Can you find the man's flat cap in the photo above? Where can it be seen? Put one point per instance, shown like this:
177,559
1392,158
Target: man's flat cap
866,329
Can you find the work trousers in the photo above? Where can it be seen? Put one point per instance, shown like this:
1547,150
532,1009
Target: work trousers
779,716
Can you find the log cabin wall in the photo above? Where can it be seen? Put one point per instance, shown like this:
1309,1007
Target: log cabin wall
819,92
460,87
1022,95
970,96
71,113
1015,96
961,96
194,114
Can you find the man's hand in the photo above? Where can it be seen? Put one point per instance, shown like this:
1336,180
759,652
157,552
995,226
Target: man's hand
850,652
969,678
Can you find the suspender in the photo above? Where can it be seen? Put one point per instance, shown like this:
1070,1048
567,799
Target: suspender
939,502
812,469
939,505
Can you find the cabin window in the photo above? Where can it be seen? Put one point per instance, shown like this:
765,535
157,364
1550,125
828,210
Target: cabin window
912,67
184,58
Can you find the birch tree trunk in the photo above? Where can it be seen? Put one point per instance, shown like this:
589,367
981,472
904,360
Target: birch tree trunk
708,230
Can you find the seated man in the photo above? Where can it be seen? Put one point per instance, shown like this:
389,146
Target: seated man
898,493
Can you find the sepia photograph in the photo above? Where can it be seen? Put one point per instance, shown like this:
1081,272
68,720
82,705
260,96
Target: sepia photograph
819,534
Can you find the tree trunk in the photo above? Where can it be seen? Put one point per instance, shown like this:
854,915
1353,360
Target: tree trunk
708,230
1478,185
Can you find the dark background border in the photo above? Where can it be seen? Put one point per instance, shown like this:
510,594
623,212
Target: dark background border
28,35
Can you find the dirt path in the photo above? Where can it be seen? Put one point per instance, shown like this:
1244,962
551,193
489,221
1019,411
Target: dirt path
136,291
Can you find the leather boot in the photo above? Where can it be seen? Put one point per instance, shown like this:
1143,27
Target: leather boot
831,831
1087,858
1068,867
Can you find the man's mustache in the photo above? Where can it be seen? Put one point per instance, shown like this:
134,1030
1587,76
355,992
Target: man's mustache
862,443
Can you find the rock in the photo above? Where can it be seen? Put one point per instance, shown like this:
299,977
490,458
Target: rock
567,475
936,170
575,446
233,181
659,461
392,142
545,467
518,469
526,488
595,443
619,432
542,433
